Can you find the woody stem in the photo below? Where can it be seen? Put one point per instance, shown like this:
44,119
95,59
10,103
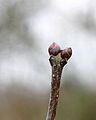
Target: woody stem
57,66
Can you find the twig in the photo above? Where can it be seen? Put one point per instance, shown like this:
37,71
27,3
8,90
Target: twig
57,61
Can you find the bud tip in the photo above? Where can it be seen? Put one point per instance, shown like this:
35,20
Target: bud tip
66,53
54,49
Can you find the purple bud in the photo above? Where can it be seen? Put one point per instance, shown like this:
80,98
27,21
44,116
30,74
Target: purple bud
66,53
54,49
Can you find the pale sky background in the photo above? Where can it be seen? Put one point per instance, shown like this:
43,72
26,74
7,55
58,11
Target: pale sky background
57,21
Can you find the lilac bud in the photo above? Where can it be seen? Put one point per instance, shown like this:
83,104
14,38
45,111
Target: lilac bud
66,53
54,49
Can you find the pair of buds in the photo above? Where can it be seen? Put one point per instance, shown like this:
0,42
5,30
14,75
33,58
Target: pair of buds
54,50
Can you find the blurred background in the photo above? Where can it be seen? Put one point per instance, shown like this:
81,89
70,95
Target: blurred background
27,28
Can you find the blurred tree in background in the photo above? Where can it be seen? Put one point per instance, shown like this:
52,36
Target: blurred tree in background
17,102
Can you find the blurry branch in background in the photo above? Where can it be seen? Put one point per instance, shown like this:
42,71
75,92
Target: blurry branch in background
16,38
87,20
14,26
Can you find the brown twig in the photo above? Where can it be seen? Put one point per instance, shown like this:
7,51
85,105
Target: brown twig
57,66
58,60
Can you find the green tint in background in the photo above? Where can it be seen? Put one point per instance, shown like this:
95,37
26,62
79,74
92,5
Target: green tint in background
75,103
